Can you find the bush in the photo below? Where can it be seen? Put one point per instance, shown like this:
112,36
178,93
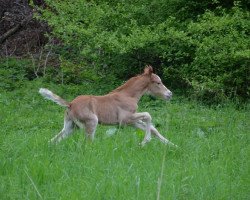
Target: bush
205,52
222,55
14,73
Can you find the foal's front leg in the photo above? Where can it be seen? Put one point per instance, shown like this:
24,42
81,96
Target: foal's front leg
90,127
145,117
141,125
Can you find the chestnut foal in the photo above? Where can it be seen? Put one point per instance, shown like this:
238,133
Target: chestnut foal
117,107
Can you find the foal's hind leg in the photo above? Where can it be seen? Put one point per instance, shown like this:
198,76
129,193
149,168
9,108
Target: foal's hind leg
66,131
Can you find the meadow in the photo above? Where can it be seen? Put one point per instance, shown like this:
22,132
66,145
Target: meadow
212,161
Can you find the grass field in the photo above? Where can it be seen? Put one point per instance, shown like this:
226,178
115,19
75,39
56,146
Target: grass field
212,161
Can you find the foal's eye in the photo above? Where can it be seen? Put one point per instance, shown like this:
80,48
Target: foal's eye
158,83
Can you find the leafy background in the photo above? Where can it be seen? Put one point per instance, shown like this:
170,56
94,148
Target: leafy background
202,46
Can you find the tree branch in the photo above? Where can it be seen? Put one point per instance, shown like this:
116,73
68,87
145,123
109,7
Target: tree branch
15,29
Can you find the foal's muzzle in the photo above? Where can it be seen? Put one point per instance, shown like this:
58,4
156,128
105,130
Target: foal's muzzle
168,95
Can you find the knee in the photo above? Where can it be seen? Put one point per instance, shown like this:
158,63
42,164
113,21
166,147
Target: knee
147,116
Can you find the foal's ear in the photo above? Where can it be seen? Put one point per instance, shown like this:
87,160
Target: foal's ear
148,70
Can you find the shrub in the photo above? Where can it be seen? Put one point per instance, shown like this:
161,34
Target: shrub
222,55
14,73
205,52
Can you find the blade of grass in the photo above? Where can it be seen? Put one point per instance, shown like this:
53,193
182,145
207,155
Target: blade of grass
34,185
161,175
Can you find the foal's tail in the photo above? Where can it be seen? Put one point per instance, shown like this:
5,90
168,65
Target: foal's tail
53,97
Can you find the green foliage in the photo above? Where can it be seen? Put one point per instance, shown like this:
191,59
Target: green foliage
222,56
198,46
14,73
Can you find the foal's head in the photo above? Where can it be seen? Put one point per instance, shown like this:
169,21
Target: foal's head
156,87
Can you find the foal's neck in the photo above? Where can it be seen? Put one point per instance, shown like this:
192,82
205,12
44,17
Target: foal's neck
134,87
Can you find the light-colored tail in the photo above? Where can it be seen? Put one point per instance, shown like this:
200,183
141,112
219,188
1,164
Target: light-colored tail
53,97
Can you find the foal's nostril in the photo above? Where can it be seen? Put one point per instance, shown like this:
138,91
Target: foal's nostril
168,94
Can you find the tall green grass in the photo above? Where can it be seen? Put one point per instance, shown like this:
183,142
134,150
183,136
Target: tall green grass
212,161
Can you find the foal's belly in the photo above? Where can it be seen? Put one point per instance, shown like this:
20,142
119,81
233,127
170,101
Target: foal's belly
111,116
107,118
